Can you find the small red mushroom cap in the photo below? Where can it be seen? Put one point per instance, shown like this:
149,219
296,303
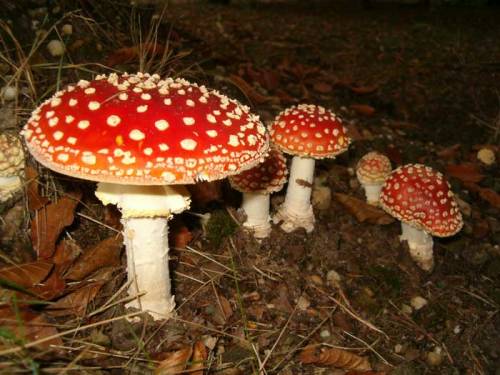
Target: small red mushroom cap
310,131
421,197
140,129
373,167
265,178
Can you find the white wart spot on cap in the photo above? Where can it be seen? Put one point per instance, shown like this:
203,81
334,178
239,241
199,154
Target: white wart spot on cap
89,90
83,124
136,135
55,102
94,106
188,144
145,96
142,108
53,121
148,151
188,121
71,140
212,133
72,102
89,159
69,119
211,118
161,125
163,146
58,135
123,96
63,157
113,120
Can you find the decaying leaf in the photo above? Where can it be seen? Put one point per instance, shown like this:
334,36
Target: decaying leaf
75,303
198,360
49,221
489,195
449,152
250,92
50,288
334,357
128,54
26,275
175,362
466,172
322,87
182,237
24,325
363,109
363,211
363,90
105,253
35,200
64,256
303,183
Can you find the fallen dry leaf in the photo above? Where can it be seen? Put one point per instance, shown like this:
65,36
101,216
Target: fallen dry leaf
363,211
363,90
182,237
26,326
449,152
489,195
466,172
175,362
28,274
35,200
363,109
67,251
51,288
322,87
334,357
128,54
198,360
249,91
49,221
106,253
75,303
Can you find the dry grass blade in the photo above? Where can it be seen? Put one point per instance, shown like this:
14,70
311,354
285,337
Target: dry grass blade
26,275
334,357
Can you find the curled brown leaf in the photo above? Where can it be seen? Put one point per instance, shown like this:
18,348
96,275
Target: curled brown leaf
363,211
334,357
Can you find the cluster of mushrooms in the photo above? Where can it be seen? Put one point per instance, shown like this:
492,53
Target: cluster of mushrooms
142,138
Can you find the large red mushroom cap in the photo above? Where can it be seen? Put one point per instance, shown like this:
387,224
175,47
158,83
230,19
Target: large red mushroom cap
373,167
140,129
309,131
419,196
265,178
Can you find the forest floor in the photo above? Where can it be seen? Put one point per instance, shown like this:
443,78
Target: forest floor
419,85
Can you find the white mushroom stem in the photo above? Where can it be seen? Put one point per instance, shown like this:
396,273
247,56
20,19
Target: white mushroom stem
420,244
256,207
146,243
296,211
145,214
372,192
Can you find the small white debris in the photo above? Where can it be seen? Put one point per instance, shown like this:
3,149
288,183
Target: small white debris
486,156
398,348
418,302
56,48
324,334
435,358
333,277
457,329
303,303
8,93
67,29
406,309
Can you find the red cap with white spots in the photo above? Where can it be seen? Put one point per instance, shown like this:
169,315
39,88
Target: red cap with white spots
140,129
421,197
265,178
373,168
309,131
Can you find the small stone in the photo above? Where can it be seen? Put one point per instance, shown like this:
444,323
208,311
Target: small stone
8,93
209,341
486,156
56,48
316,279
324,334
398,348
405,309
418,302
457,329
332,277
435,358
303,303
67,29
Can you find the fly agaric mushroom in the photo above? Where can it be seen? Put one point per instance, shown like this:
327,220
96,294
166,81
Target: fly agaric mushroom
372,170
135,134
11,166
422,200
257,184
307,132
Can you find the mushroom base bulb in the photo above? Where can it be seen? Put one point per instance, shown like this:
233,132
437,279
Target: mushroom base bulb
297,212
372,193
420,244
256,208
146,243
